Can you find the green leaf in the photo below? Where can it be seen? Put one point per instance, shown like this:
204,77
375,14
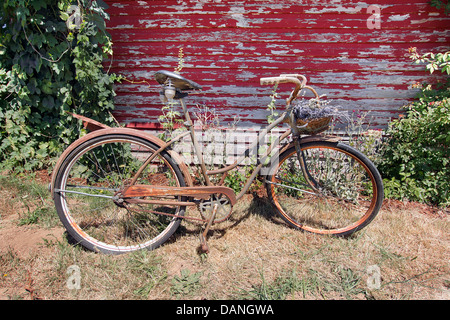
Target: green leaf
35,91
64,16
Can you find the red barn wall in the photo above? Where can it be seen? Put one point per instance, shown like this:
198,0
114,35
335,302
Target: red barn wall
229,45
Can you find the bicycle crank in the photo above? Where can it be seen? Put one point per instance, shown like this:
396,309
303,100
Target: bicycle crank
220,203
203,242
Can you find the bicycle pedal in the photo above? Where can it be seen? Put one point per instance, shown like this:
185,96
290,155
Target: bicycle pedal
203,243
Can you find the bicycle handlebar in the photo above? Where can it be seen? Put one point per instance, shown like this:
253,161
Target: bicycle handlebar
289,78
285,78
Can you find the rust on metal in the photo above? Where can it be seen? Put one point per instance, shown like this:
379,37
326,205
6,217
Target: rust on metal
89,124
202,192
127,131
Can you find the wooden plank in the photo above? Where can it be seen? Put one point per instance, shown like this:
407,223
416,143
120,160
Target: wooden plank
268,35
290,22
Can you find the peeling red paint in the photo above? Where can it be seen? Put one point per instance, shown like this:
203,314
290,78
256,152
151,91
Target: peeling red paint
229,45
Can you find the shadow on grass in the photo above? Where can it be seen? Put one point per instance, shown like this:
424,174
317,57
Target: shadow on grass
258,206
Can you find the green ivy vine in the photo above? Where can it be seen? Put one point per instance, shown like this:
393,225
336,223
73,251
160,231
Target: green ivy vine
51,63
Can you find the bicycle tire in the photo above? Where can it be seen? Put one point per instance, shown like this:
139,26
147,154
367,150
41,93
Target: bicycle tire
341,195
89,178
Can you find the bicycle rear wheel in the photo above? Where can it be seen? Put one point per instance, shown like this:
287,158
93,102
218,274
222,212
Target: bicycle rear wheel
339,191
86,189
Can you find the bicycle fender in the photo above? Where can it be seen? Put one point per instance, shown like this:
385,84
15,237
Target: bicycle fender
132,132
310,139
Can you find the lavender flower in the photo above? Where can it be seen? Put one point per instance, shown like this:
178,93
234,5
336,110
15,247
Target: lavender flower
312,109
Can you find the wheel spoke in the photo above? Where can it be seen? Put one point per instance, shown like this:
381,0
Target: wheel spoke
289,187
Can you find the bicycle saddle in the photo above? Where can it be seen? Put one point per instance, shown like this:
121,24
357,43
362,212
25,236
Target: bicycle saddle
177,81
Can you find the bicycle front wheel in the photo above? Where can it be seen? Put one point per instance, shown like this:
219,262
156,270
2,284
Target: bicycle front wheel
337,191
86,189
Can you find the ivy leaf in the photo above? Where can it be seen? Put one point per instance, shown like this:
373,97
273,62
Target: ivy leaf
37,88
64,16
38,4
21,15
48,102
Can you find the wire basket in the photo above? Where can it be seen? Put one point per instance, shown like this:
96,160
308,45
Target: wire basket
312,116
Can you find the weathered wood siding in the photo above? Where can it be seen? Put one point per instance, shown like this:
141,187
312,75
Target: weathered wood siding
229,45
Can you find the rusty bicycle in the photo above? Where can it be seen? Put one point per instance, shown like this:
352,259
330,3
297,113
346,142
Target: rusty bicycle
118,190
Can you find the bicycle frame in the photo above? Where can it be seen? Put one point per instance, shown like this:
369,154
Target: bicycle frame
285,117
133,191
206,173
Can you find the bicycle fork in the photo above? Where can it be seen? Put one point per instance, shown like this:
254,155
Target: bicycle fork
301,159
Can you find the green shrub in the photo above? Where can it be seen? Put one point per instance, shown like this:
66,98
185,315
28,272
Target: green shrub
48,67
415,158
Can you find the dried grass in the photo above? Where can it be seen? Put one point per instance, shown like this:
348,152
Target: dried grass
254,255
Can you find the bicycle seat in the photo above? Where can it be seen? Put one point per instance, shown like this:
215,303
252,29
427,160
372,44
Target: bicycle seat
177,80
